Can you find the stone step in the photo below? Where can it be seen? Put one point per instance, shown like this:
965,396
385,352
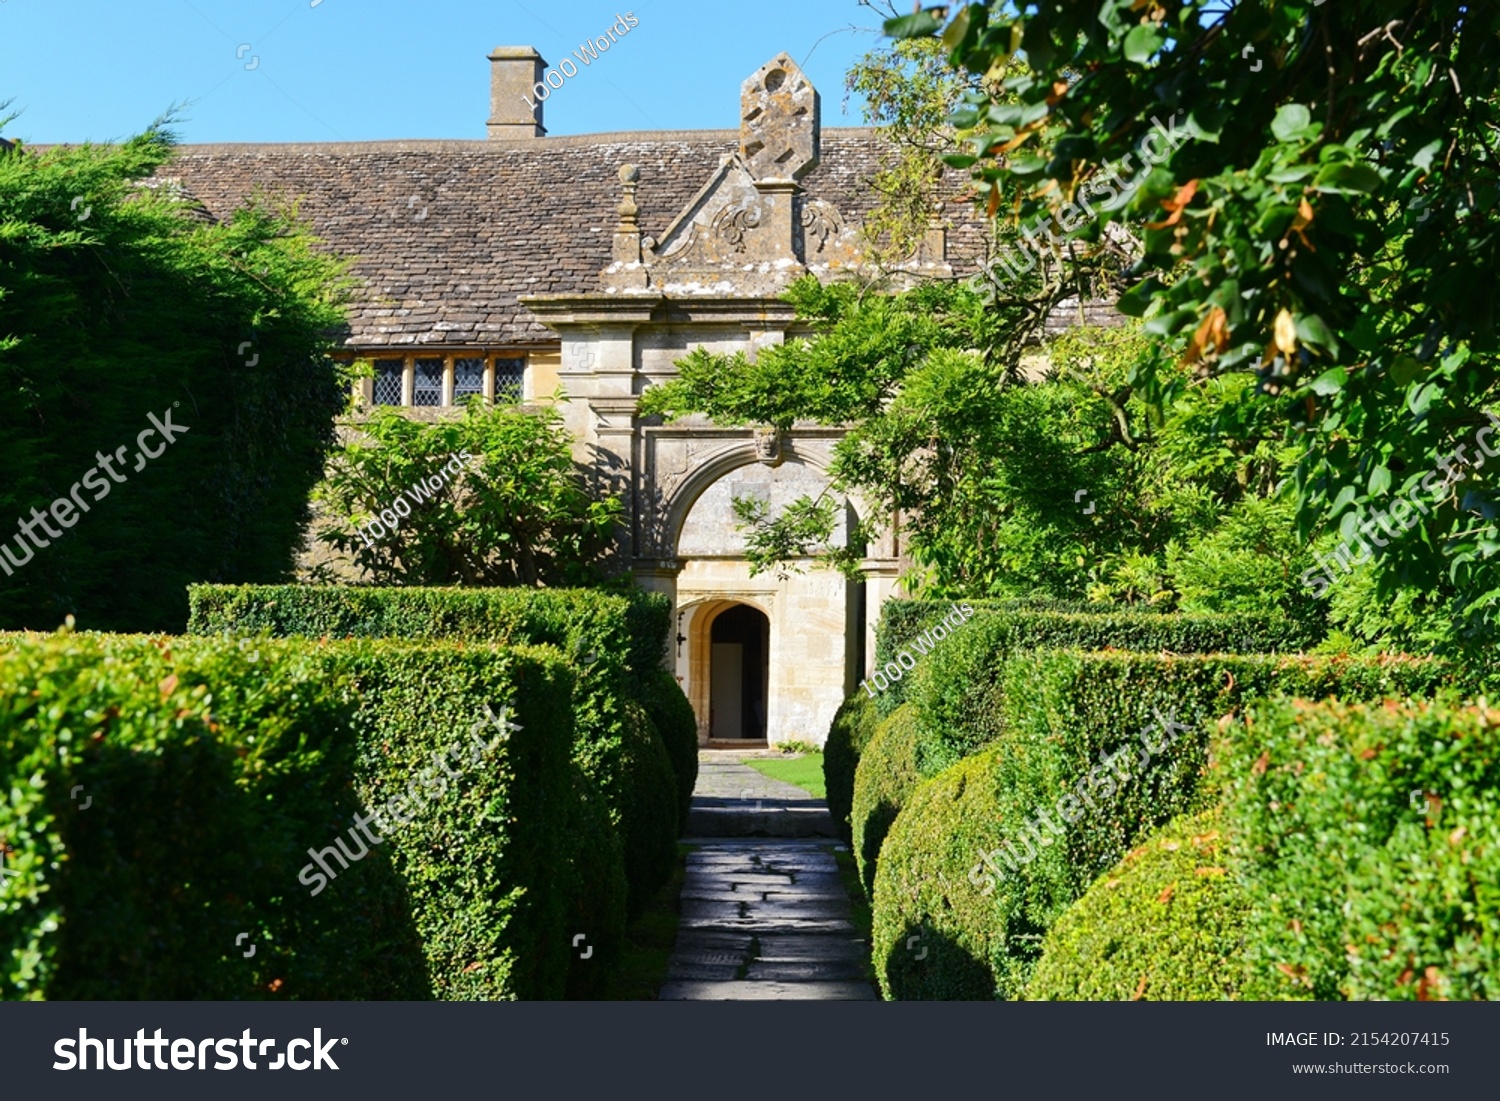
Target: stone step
739,820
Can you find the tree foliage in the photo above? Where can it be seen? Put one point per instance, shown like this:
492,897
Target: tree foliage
118,301
1067,484
513,508
1328,231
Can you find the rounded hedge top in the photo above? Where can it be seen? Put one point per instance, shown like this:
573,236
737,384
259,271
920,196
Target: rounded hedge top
1165,924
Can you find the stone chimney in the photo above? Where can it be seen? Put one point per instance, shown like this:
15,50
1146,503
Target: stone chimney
515,112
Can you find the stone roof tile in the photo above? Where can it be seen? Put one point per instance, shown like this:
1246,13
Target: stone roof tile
446,235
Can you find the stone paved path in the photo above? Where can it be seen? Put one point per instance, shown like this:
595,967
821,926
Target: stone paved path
763,918
734,800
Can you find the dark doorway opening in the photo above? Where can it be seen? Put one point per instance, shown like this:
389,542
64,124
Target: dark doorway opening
740,672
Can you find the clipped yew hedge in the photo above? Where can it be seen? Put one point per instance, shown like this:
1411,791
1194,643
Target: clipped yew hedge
960,699
1167,923
902,622
212,769
853,725
1370,838
943,868
614,642
672,714
886,777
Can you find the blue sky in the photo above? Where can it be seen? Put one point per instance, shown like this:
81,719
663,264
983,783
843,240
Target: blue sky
364,70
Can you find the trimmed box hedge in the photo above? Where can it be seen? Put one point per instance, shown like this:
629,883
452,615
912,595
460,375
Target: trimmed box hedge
1369,837
672,714
960,699
903,621
1065,712
886,777
1167,923
613,641
212,770
852,727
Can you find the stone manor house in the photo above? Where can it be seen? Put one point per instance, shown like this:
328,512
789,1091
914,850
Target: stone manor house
520,265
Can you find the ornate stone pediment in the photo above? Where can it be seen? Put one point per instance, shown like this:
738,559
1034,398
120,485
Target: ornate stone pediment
751,229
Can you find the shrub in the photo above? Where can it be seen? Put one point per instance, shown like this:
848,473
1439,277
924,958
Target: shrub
852,727
931,937
1370,837
1065,713
615,641
641,783
492,497
213,770
886,777
903,621
597,890
960,701
141,311
1165,924
672,714
482,880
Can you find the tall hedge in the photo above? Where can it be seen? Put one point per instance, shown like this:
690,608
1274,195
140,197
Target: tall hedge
853,725
1370,838
672,714
1065,713
165,794
484,886
614,642
960,699
1167,923
885,779
903,621
119,305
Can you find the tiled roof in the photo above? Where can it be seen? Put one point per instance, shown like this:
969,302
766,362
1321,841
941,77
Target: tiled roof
448,234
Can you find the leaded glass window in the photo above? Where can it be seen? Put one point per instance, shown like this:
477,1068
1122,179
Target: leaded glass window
510,378
427,382
468,379
387,389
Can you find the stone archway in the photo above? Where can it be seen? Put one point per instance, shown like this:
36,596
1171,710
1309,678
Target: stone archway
739,658
728,674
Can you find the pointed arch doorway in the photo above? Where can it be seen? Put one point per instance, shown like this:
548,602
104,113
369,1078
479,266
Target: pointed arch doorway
732,657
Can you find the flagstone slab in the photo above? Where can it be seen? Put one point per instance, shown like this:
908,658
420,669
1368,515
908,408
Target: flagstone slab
764,913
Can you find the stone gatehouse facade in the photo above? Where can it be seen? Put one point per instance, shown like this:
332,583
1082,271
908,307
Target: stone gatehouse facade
525,267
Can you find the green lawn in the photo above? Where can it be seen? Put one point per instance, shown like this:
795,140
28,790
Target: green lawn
805,771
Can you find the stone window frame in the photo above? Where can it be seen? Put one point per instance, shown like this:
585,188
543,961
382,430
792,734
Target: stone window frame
364,389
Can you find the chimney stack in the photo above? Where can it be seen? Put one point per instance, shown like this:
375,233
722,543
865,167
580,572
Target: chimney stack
515,72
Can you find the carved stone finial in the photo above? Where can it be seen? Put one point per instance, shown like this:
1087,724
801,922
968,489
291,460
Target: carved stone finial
629,176
779,121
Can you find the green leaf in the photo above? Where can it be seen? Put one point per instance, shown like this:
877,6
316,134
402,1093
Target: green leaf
1142,43
1380,480
953,35
1311,330
1405,368
1291,122
1330,381
1348,179
921,24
